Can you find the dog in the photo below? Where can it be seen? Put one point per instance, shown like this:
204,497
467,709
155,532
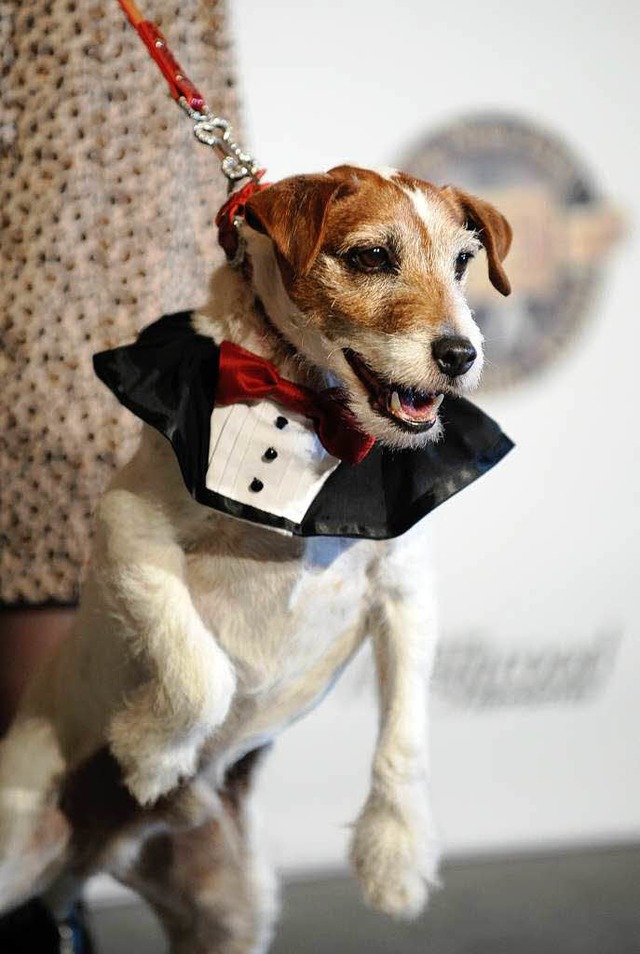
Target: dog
209,623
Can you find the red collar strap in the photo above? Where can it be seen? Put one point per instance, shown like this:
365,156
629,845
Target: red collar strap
233,209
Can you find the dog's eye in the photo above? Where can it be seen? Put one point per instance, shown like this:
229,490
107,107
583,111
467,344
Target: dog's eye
462,261
375,259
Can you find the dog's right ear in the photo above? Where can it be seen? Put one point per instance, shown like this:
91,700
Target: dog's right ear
293,213
492,229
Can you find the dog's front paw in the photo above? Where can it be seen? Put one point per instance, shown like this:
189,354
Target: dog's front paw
156,750
393,861
158,734
157,773
152,764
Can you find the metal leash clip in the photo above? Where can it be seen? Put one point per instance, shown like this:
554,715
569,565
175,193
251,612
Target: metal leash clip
214,131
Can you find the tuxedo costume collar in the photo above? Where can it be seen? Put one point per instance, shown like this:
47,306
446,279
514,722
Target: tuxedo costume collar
263,464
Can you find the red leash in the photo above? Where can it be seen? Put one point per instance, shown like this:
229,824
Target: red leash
211,130
180,86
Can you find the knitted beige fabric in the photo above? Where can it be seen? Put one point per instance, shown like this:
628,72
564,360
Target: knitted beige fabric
107,208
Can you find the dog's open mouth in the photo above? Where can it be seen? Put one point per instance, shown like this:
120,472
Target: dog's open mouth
410,408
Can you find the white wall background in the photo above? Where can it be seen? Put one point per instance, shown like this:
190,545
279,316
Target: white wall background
545,550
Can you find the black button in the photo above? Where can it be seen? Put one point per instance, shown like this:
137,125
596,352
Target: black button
256,485
281,422
270,454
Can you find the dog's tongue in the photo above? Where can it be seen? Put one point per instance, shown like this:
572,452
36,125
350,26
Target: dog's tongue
410,405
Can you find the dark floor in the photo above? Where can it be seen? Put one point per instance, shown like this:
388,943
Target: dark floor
580,903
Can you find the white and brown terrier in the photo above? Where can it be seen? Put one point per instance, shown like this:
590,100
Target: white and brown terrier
199,636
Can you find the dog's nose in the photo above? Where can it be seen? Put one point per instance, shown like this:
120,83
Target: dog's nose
454,355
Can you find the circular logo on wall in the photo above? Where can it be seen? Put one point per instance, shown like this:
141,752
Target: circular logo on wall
562,232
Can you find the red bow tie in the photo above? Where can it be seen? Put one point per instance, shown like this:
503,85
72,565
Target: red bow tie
244,376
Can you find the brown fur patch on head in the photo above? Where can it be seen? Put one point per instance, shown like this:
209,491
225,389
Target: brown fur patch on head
367,209
292,213
317,221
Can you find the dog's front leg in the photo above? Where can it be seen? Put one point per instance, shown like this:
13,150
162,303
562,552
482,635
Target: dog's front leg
184,682
392,851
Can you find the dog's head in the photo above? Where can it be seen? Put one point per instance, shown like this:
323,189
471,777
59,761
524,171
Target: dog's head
363,273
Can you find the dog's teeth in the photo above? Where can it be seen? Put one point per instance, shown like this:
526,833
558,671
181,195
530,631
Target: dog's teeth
395,402
438,401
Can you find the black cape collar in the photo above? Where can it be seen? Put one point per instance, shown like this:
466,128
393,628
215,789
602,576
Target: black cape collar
168,379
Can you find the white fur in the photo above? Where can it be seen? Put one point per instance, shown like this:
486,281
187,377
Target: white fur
387,172
461,322
199,637
428,211
30,760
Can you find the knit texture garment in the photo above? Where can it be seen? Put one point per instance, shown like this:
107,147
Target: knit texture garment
107,216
